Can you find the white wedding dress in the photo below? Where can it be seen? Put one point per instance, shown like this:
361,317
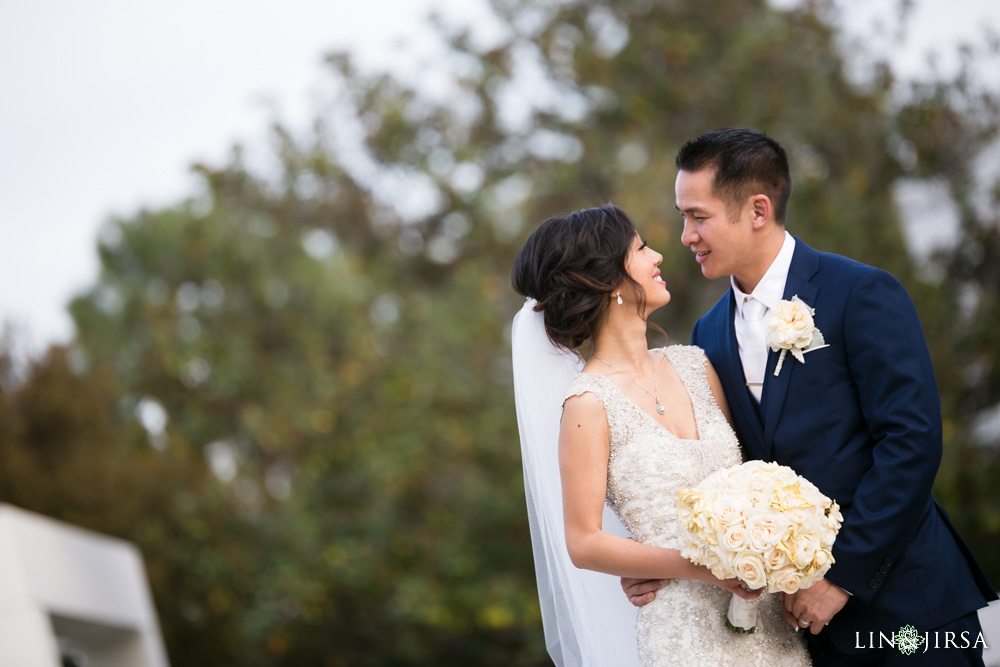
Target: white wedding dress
686,623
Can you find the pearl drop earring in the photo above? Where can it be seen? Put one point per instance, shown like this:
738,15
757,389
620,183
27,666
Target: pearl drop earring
619,295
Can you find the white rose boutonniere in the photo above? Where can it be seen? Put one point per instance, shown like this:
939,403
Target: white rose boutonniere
791,329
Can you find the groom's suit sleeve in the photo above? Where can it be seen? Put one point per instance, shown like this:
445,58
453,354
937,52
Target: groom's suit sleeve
898,397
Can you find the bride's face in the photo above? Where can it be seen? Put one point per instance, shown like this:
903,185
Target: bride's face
642,266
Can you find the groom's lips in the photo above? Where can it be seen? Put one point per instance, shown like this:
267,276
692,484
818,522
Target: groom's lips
699,256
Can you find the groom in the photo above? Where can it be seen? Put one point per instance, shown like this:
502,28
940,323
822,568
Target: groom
860,417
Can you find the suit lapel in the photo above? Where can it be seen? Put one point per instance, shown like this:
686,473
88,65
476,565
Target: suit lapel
745,416
805,264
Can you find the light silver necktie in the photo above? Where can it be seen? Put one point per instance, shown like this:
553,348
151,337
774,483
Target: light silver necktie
753,348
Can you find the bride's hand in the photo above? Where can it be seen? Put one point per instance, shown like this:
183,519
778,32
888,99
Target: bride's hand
733,585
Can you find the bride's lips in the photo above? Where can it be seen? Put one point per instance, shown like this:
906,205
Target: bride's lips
657,278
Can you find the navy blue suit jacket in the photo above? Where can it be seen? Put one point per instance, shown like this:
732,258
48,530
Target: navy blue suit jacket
861,419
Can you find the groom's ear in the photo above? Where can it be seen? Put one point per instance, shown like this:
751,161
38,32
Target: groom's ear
760,210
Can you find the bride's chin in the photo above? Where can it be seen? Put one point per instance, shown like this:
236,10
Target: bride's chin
652,308
660,295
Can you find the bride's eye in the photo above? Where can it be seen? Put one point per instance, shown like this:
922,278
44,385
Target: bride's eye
643,246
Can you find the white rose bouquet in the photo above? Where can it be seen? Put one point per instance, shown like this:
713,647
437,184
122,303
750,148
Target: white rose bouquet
762,523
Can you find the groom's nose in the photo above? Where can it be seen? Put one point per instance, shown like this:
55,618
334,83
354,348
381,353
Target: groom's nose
688,235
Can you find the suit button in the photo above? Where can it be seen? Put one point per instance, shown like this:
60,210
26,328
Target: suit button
887,562
872,584
884,569
878,576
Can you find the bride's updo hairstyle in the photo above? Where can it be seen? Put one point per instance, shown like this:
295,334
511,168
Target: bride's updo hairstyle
572,265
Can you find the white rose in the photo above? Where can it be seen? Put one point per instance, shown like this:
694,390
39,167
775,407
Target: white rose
834,516
808,581
802,549
749,568
790,325
708,556
812,494
719,571
785,476
786,580
822,560
739,480
787,497
706,527
687,502
765,531
728,511
697,555
735,538
708,495
757,499
776,559
718,553
800,516
755,467
809,524
813,575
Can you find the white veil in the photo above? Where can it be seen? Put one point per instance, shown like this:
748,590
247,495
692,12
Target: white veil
588,621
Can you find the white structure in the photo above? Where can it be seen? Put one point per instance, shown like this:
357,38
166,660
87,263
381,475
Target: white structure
990,618
70,593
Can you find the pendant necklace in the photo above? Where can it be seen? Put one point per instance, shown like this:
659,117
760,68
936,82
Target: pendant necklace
656,387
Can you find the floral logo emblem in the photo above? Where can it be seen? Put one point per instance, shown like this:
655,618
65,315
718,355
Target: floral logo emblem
908,640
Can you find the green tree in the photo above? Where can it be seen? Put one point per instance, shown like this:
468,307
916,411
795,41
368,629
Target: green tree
950,128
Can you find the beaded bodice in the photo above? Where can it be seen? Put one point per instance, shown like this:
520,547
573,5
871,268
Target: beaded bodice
648,464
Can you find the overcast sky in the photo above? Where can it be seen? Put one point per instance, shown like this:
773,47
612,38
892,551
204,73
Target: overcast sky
104,105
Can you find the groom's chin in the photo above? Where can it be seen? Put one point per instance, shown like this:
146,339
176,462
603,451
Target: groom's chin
708,272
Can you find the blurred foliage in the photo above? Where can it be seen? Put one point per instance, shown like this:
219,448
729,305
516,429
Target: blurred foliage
293,390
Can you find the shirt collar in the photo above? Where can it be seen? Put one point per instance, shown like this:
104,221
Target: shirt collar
771,287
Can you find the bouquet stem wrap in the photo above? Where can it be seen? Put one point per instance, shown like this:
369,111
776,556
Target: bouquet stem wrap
742,615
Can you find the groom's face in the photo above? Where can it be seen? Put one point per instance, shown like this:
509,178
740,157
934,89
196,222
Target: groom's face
720,243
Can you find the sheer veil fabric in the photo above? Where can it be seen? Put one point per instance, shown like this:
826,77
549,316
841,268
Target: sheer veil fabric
588,621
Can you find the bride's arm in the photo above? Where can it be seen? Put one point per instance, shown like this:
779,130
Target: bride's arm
583,464
720,396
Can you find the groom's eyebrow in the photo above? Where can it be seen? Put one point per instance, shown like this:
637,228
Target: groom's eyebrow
691,209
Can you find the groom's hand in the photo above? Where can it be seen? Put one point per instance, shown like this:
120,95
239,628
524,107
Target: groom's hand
642,591
815,606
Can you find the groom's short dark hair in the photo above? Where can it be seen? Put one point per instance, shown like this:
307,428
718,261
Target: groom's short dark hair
746,162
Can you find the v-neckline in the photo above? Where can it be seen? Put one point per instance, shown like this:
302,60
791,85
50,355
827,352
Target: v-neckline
650,417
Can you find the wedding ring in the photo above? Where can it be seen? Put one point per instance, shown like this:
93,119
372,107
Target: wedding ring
804,624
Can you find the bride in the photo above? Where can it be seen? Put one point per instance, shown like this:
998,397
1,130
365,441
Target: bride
637,425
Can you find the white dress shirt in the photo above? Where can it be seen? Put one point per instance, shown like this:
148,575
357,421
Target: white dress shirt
769,291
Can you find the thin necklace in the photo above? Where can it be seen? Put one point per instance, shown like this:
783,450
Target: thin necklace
656,386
